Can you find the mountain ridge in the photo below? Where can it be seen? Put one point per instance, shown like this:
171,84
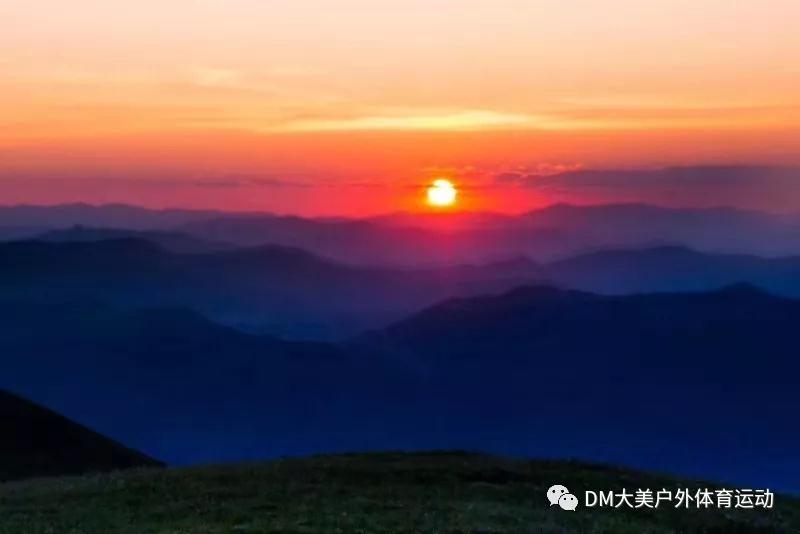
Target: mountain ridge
433,239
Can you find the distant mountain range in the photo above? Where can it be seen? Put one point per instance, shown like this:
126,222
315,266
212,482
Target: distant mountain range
292,293
124,216
547,234
171,241
173,336
673,269
37,442
414,240
269,289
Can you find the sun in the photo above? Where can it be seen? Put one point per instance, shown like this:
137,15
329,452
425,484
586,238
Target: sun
442,193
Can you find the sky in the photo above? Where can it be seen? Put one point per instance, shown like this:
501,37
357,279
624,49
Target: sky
354,106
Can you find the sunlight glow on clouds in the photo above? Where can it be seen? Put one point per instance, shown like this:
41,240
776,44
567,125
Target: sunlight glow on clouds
379,90
598,64
463,120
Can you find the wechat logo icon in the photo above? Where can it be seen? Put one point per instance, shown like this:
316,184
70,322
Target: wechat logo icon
561,496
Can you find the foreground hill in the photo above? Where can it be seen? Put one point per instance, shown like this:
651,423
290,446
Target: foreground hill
371,493
35,441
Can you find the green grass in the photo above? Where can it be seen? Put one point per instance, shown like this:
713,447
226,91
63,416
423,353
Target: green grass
365,493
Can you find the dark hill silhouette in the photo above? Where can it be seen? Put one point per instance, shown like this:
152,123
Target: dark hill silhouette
37,442
606,372
524,323
43,261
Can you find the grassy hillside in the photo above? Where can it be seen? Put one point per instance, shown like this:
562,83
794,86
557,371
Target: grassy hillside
371,493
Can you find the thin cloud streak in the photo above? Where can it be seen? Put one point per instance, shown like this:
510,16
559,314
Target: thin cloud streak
461,120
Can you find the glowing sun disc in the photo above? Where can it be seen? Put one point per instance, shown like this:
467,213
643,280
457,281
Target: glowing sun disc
442,193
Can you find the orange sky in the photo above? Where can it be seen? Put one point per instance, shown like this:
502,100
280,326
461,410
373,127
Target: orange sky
352,106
